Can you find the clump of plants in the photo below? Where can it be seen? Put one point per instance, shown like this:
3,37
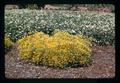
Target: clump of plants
8,43
60,50
32,6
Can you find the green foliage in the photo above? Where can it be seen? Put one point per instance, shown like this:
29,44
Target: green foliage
99,26
32,6
60,50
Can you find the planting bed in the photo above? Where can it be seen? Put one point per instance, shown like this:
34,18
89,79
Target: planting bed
28,44
103,66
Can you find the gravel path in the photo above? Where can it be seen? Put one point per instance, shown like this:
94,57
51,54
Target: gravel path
103,66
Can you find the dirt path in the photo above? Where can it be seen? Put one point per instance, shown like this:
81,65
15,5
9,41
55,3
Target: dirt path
103,67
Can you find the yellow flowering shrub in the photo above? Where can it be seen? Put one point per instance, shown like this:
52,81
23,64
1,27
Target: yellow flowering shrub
8,43
60,50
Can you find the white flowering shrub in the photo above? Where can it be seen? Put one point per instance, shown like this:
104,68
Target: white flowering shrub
99,26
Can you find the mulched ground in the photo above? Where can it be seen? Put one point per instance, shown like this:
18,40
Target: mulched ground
103,66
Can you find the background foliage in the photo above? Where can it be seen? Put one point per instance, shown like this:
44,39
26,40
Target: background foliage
99,26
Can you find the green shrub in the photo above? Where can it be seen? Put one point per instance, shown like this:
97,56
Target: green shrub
32,6
60,50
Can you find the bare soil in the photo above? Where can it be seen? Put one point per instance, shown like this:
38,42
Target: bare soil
103,66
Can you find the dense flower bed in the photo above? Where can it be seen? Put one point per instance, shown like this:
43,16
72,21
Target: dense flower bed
60,50
100,26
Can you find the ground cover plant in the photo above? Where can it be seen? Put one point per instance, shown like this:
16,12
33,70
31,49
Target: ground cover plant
99,26
8,43
60,50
